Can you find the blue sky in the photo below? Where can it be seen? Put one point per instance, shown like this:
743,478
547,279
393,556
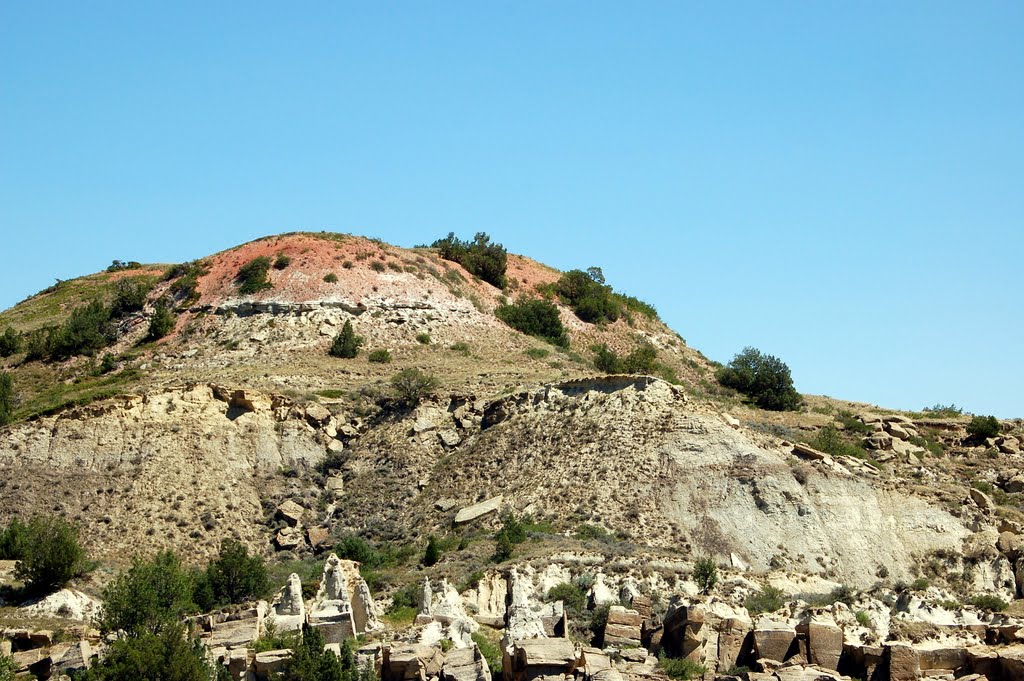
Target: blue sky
840,184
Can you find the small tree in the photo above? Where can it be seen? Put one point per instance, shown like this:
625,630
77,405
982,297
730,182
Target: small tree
763,378
170,654
149,597
162,321
983,427
51,555
346,344
10,342
705,574
6,668
411,385
235,576
13,540
252,276
433,552
310,661
6,398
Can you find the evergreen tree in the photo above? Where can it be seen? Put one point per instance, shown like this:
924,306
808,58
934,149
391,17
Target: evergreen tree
346,344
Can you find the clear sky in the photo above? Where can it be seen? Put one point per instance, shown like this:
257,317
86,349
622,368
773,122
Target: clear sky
840,184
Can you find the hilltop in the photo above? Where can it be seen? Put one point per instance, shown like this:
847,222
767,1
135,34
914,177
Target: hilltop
176,406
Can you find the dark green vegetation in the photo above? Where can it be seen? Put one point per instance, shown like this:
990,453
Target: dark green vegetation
480,257
233,577
6,398
47,551
592,300
412,384
535,318
765,379
252,276
433,552
982,427
831,441
162,321
381,356
186,281
681,669
705,574
10,342
310,661
281,261
170,654
642,360
331,278
346,344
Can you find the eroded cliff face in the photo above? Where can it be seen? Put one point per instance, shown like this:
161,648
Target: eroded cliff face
189,466
634,456
179,468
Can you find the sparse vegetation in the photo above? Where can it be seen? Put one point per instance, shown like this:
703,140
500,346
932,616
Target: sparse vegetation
681,669
537,353
480,257
282,261
185,288
537,318
768,599
252,276
642,360
423,338
830,441
232,577
433,552
129,296
331,278
377,266
988,602
763,378
944,411
346,344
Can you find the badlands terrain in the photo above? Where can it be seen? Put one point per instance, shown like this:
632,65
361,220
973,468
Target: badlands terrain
574,513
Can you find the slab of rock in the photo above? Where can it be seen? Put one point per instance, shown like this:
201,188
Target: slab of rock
335,485
317,414
983,501
409,662
317,536
465,664
622,627
291,512
476,510
808,452
543,657
774,640
824,643
270,662
904,662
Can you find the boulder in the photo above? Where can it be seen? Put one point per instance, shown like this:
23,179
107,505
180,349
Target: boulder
623,627
774,640
270,662
291,512
983,501
317,414
288,538
904,662
409,662
466,664
317,536
476,510
824,642
542,657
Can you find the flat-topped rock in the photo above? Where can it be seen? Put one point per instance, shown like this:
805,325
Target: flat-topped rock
476,510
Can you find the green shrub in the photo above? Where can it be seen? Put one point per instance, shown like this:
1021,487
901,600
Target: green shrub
433,552
185,288
346,344
853,424
129,297
681,669
642,360
535,318
537,353
10,342
172,653
490,652
6,668
572,596
281,261
830,441
763,378
234,576
406,597
412,384
377,266
461,347
162,322
121,265
311,661
423,338
380,356
13,540
480,257
588,296
503,548
149,597
768,599
597,532
705,574
983,427
841,594
863,619
988,602
919,584
6,398
51,555
331,278
252,276
88,330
